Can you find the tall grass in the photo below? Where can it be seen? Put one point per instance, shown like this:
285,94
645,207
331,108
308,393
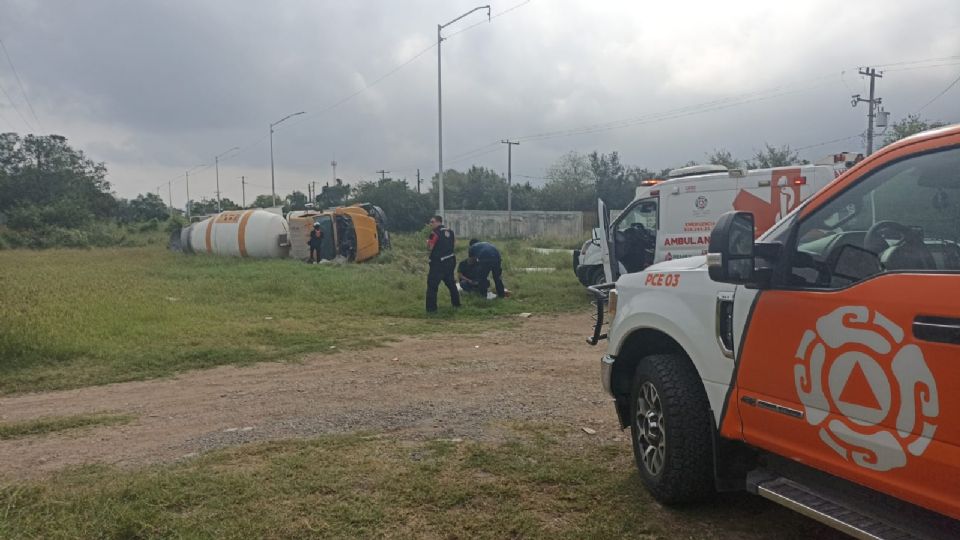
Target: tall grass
73,318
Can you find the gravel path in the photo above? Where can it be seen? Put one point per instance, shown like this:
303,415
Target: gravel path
466,387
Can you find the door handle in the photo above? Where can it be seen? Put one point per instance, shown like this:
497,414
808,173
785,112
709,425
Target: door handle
937,329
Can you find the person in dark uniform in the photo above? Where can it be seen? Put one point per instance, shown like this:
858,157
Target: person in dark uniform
489,262
467,275
442,264
316,240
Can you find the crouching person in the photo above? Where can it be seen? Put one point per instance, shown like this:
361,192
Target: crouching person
468,276
488,262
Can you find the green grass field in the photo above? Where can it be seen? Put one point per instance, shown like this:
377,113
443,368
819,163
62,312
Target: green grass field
74,318
540,483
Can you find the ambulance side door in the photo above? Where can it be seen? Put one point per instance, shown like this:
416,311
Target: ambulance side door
689,210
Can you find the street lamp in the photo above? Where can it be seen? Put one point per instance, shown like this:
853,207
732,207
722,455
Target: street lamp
216,161
273,185
440,101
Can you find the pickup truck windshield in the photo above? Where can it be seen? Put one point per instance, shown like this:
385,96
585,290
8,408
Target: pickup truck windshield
904,217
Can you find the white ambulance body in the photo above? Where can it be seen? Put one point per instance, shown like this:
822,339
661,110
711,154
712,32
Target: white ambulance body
673,219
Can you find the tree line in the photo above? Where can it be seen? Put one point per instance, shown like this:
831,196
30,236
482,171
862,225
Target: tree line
50,191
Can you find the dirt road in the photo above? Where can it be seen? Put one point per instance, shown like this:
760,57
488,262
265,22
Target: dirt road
541,370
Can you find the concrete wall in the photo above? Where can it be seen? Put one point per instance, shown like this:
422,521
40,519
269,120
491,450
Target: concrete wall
494,224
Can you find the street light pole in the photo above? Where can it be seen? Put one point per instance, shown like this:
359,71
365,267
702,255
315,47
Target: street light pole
273,184
186,175
440,100
216,162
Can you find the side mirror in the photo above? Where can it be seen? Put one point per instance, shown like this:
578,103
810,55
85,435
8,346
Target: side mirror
730,258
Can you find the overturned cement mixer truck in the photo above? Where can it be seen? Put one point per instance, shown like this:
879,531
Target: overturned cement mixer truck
353,233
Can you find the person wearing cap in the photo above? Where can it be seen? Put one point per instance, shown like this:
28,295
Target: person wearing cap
316,240
489,262
443,262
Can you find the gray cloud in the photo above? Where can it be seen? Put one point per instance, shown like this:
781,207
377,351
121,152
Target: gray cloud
154,88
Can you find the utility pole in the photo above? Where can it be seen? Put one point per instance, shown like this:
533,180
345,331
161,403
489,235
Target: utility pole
510,144
170,196
334,165
871,103
243,190
418,181
382,174
187,175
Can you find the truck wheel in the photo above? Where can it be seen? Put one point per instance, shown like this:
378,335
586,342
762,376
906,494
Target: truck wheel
596,277
671,429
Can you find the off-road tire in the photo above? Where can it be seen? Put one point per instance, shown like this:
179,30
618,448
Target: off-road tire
686,470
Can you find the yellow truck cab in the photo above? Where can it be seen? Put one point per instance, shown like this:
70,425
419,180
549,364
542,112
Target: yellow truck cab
357,233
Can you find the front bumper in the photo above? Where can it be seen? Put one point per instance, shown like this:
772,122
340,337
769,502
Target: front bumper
606,373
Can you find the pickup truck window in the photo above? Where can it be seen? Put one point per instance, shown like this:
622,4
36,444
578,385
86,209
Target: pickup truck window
903,217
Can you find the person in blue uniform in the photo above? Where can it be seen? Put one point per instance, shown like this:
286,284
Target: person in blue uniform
443,262
489,262
315,242
467,276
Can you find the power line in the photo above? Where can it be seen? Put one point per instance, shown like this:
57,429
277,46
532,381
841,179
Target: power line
914,68
938,96
395,69
20,83
824,143
671,114
378,80
924,61
4,120
14,105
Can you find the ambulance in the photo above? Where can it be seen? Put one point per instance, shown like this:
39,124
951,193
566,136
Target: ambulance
817,365
672,219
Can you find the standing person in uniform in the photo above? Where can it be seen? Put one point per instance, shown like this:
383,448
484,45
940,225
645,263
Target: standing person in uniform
442,264
316,240
489,261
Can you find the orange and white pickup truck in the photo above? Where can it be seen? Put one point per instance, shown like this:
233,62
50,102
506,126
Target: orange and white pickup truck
817,365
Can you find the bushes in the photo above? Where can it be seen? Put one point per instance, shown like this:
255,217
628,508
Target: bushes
94,234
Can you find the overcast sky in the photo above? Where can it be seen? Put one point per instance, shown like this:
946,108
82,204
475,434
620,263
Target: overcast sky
156,88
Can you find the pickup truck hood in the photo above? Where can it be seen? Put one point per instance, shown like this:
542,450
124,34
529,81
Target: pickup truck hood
687,263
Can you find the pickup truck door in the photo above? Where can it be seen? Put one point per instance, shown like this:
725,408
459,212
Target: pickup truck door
850,361
607,253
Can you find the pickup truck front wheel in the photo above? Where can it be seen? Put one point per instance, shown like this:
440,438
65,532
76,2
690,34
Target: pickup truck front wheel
670,427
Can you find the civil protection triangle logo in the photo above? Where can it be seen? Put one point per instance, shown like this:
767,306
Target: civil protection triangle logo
873,397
